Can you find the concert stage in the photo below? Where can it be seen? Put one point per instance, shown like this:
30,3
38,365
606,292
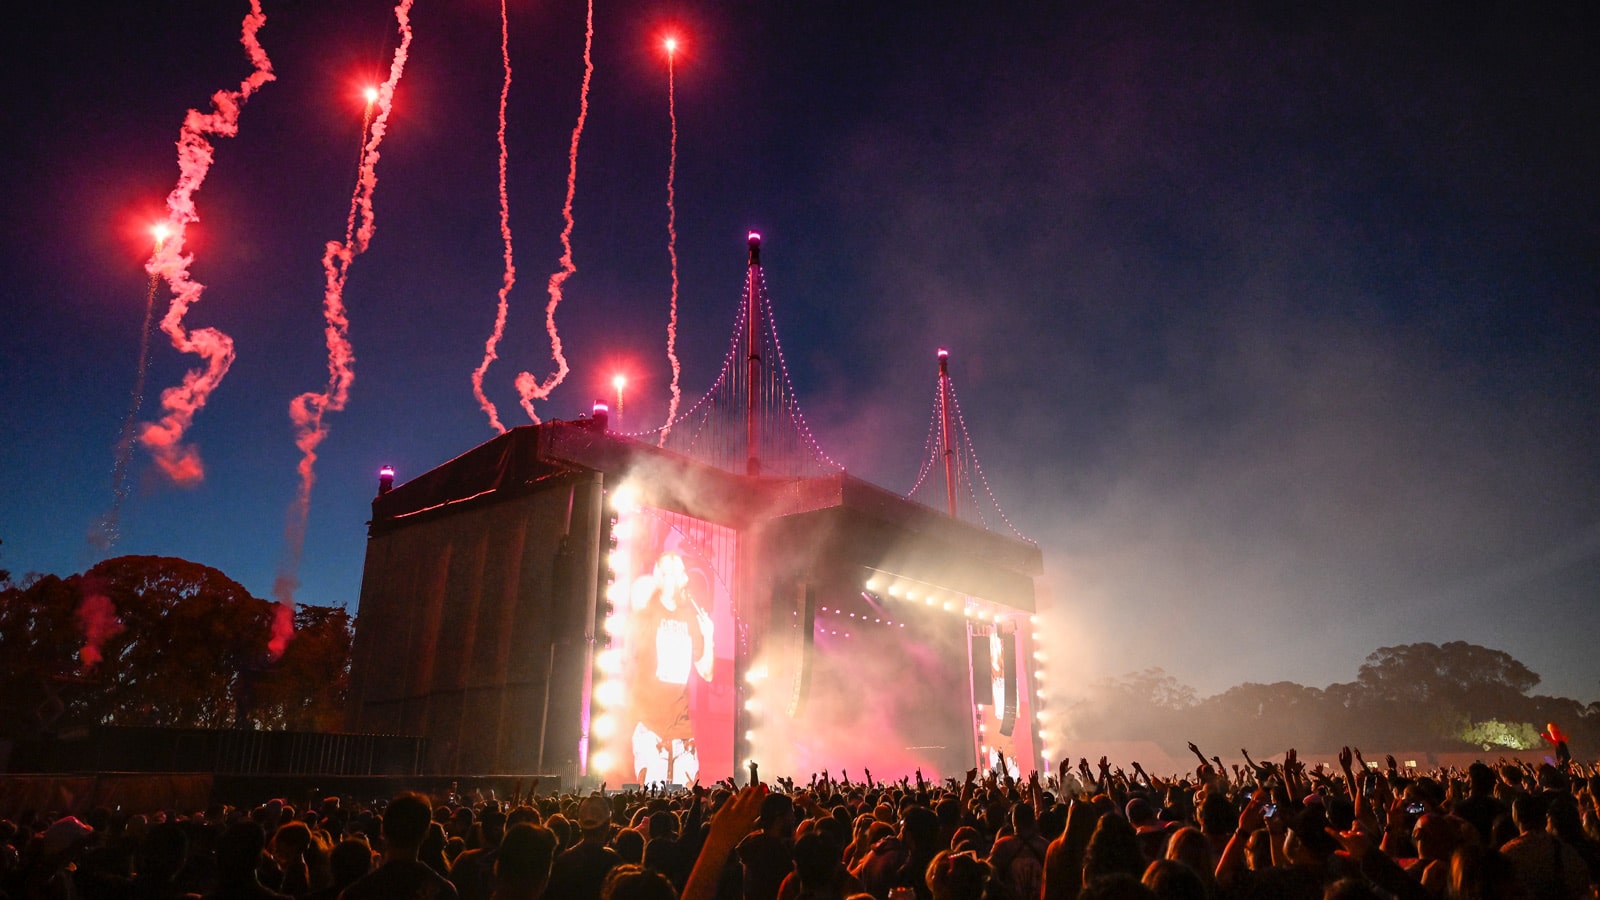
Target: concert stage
570,601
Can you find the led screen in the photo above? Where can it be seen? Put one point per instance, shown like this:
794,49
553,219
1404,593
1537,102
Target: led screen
667,689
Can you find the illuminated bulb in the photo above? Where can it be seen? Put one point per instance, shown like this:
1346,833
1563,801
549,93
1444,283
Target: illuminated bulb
1042,716
1039,655
624,498
608,692
1033,620
749,735
604,726
755,675
610,662
615,592
751,705
1038,675
949,607
601,760
1039,693
930,600
872,584
983,614
371,94
894,590
612,626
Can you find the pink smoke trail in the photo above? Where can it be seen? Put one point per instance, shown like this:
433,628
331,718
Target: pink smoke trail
107,531
307,410
164,438
529,387
672,247
97,616
490,354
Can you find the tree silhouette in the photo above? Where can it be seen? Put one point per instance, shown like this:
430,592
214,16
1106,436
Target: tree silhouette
147,640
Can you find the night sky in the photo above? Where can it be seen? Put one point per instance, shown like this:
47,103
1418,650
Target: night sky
1277,330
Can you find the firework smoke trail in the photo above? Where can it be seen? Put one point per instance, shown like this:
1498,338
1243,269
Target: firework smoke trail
672,247
529,387
97,617
164,438
307,410
510,277
107,531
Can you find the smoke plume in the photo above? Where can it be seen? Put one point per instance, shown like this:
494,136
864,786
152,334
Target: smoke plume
164,437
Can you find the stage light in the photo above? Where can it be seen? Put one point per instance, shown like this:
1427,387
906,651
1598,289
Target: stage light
911,595
930,599
600,760
749,735
872,584
1033,620
755,674
609,693
751,705
894,590
612,626
949,607
983,614
1042,716
609,662
604,726
1040,694
624,498
1038,674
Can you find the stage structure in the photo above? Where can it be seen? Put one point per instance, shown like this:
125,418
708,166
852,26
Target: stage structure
567,600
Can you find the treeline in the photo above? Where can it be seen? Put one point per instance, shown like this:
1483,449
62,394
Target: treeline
1426,697
149,640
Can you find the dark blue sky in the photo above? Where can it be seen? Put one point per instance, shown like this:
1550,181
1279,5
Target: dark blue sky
1277,330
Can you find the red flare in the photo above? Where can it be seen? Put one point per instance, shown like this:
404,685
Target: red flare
509,277
672,249
308,410
529,387
164,438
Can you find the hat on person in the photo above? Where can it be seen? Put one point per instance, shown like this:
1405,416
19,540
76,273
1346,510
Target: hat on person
67,831
594,812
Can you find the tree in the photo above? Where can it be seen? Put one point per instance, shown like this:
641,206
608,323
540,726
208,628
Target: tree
1453,679
1147,705
146,640
306,689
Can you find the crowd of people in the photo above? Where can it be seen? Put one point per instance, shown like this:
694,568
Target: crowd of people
1507,831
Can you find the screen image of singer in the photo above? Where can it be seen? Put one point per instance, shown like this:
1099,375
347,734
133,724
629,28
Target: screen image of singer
668,674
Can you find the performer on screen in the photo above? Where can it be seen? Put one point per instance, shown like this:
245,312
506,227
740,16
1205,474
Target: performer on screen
669,636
